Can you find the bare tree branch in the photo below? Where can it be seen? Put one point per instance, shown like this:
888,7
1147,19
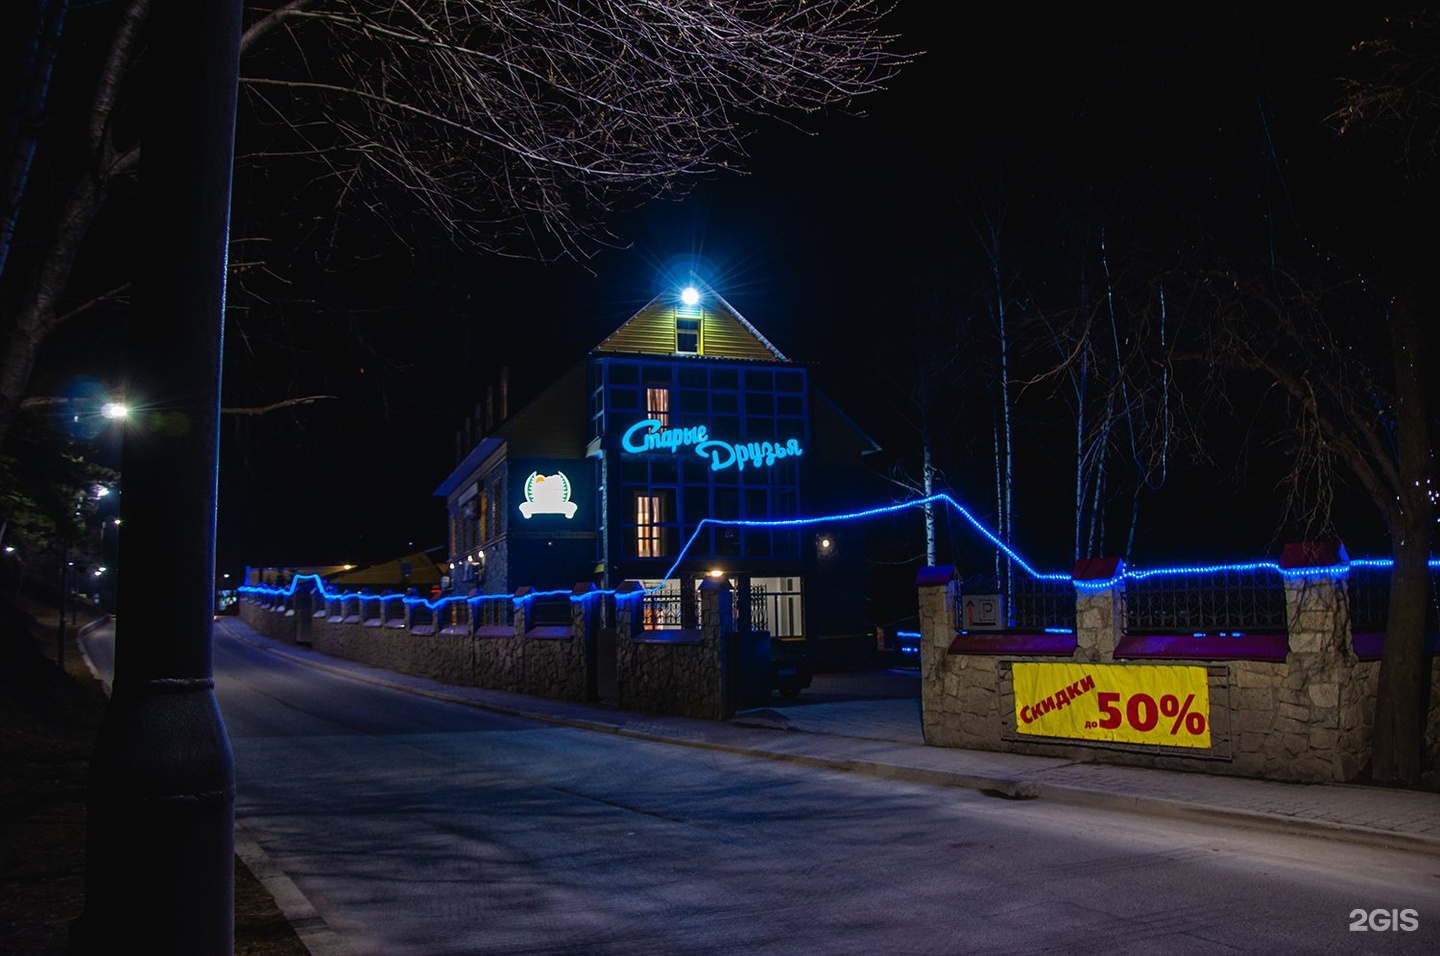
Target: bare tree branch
276,406
515,128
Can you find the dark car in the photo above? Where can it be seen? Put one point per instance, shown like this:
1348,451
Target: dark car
789,666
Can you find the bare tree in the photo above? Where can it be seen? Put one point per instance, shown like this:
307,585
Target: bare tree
1339,330
1344,363
1325,324
1385,435
1110,361
931,362
516,127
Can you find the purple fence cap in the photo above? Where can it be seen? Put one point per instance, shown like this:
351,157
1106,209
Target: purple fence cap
1095,569
1313,554
935,576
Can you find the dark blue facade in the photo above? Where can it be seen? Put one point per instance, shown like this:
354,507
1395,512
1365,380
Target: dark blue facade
654,463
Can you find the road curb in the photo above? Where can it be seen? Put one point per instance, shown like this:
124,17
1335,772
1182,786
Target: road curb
315,934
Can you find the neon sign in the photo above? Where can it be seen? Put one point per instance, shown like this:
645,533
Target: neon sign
547,495
652,435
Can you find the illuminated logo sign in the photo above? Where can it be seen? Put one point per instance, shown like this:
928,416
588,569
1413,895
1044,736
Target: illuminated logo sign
652,435
547,495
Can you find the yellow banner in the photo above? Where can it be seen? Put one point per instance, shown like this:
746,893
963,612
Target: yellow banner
1160,704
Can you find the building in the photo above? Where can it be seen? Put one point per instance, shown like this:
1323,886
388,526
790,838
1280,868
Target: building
684,413
422,571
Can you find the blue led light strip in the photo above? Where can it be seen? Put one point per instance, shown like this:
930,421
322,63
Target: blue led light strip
1336,570
869,513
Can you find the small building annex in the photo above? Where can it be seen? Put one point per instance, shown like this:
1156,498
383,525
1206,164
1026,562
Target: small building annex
684,413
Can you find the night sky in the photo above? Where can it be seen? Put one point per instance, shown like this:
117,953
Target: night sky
1146,116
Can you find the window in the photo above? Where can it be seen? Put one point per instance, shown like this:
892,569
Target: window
649,535
694,403
623,373
497,516
687,334
657,403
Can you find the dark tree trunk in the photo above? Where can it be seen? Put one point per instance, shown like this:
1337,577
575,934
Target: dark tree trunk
1400,703
1403,697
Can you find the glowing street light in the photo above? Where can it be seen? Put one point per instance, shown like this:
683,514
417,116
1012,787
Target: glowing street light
114,410
20,581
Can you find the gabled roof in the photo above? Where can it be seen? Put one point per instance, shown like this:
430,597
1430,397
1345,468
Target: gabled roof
483,449
724,332
867,445
419,568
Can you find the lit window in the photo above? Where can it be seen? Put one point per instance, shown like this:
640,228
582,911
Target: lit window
657,404
649,536
687,334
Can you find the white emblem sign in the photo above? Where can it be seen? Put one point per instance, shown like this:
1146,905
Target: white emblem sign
547,495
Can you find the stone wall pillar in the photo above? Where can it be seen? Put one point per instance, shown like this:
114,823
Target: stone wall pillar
1099,608
628,618
717,627
584,609
627,609
522,609
1323,715
305,599
937,591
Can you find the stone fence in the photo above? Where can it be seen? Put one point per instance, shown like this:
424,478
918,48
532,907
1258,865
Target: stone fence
1297,705
675,672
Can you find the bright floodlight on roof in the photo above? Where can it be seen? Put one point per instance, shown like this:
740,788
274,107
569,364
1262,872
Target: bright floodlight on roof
690,295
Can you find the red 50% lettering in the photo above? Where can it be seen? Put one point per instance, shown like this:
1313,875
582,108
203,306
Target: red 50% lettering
1143,713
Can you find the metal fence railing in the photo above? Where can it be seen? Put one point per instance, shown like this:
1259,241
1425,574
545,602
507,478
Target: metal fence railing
759,610
779,613
550,610
661,611
493,612
1040,605
1223,600
1368,589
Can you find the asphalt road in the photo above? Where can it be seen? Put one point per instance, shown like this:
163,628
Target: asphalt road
416,826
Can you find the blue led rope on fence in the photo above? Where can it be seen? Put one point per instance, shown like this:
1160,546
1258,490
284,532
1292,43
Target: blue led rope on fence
1127,574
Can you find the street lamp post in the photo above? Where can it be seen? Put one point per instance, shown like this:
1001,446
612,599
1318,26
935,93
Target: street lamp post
159,875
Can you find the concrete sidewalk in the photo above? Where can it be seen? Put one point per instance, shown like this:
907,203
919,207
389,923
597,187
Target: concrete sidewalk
883,738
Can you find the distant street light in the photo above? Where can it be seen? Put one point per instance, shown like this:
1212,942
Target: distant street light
87,411
20,581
